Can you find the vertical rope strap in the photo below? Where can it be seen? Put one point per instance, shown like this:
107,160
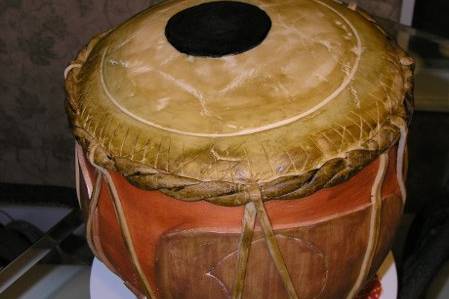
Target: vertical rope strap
77,177
92,209
94,243
93,191
273,248
92,225
374,226
402,125
253,209
249,220
121,218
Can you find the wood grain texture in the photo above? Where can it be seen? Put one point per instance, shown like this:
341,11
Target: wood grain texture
190,250
391,212
199,264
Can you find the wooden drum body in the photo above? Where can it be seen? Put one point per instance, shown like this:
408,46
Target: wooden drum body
250,149
332,241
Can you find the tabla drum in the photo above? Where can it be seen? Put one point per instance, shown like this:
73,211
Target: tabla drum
250,149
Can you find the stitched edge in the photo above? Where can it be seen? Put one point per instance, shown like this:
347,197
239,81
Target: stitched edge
332,172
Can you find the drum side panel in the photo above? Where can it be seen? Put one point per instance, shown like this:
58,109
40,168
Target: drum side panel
391,216
111,242
195,264
189,249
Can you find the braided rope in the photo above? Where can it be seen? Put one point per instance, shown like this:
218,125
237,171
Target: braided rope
293,186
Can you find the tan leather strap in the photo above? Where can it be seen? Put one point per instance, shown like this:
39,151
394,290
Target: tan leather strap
249,220
253,209
374,228
94,243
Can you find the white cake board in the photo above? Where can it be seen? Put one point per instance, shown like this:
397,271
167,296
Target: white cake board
105,284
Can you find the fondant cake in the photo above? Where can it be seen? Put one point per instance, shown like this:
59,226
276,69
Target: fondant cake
252,149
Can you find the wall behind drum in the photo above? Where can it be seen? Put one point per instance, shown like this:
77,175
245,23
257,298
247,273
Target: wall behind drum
36,44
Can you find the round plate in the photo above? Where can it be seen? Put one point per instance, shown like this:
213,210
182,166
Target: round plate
388,276
105,284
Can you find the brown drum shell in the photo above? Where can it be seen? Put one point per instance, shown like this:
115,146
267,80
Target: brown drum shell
189,250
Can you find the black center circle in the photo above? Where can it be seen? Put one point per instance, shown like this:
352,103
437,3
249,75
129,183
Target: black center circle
218,28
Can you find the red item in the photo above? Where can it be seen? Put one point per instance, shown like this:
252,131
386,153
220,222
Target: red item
372,290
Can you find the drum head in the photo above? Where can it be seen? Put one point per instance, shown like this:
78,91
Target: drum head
220,95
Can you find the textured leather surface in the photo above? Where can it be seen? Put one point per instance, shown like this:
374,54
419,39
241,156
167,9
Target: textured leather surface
306,109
